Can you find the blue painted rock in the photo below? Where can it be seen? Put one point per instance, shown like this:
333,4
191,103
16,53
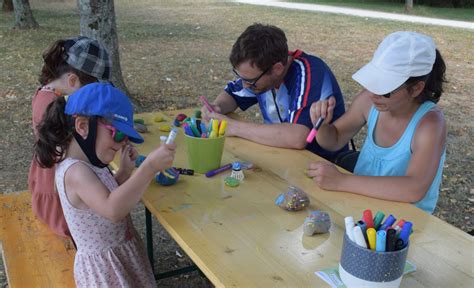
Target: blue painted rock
167,177
139,160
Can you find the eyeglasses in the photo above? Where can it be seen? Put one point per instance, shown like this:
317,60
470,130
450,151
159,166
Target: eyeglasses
117,135
251,82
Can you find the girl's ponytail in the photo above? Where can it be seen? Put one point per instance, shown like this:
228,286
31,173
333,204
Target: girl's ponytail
433,81
53,60
434,84
54,134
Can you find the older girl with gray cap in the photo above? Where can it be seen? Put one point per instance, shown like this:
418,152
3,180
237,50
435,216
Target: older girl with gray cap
404,151
68,65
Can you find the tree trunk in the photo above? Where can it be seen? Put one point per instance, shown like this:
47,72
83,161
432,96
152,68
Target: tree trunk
98,22
408,5
23,16
7,6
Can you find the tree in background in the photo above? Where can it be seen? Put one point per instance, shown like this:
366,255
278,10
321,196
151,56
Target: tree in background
23,16
7,5
98,22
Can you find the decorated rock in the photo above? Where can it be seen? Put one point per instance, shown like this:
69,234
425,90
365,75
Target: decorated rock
139,160
317,222
167,177
164,128
140,127
181,117
293,200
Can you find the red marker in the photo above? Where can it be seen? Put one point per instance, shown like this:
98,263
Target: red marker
367,218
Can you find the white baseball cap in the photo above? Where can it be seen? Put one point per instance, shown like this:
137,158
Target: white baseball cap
401,55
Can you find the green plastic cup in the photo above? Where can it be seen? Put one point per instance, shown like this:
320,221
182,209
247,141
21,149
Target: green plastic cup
204,154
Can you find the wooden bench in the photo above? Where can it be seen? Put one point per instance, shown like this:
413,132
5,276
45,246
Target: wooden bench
33,256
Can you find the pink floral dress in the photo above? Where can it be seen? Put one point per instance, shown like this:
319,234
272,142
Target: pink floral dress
108,254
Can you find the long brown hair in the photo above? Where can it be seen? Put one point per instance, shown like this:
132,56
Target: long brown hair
54,65
54,134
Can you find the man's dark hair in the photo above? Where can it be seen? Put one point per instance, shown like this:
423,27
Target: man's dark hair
263,45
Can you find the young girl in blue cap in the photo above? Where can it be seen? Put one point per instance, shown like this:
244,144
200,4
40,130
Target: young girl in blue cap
67,65
402,157
82,136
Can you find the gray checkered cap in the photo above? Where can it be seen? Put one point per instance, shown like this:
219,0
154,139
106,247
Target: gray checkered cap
89,56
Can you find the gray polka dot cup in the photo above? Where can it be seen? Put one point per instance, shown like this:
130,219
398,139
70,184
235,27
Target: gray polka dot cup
362,267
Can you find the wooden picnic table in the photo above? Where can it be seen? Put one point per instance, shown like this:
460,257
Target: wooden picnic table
238,237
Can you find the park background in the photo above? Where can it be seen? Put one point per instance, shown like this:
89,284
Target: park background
173,51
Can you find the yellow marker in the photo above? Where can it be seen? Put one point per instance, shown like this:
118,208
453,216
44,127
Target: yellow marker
213,134
215,126
222,127
371,237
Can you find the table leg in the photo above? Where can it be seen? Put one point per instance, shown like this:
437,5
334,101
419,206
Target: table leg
149,238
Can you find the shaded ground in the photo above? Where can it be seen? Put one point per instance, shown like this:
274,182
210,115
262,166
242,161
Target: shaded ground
173,51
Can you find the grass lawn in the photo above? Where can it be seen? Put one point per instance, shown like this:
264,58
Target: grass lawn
462,14
174,51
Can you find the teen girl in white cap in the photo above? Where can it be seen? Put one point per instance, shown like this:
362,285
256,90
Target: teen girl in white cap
402,157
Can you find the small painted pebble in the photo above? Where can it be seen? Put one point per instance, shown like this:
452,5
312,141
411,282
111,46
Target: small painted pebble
197,114
181,117
159,118
138,120
140,127
176,123
139,160
232,182
168,177
293,200
164,128
317,222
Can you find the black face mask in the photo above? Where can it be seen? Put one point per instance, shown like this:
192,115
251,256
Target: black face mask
88,145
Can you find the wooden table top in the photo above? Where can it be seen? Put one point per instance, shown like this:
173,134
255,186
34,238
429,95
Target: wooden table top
239,237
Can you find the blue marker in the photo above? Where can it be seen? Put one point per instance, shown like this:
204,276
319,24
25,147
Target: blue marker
405,233
188,131
380,242
388,222
203,128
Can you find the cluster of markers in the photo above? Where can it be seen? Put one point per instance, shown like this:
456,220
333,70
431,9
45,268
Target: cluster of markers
376,235
197,128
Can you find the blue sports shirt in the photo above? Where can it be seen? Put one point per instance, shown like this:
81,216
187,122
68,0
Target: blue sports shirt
308,80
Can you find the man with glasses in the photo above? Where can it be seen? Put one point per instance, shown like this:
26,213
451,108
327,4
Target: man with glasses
283,83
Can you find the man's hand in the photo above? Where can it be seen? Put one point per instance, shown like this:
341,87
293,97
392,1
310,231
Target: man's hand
205,113
231,123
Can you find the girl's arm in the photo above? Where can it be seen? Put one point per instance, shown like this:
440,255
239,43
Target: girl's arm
334,136
84,188
428,145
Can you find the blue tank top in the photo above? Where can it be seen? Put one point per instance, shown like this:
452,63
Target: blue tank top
393,161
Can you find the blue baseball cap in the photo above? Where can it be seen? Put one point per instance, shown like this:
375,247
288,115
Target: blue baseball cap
104,100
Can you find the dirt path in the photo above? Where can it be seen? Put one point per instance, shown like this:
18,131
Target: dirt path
361,13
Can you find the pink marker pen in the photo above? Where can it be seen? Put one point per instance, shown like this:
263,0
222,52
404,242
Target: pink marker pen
206,103
314,131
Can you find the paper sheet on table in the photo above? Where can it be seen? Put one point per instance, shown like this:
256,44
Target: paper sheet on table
331,275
